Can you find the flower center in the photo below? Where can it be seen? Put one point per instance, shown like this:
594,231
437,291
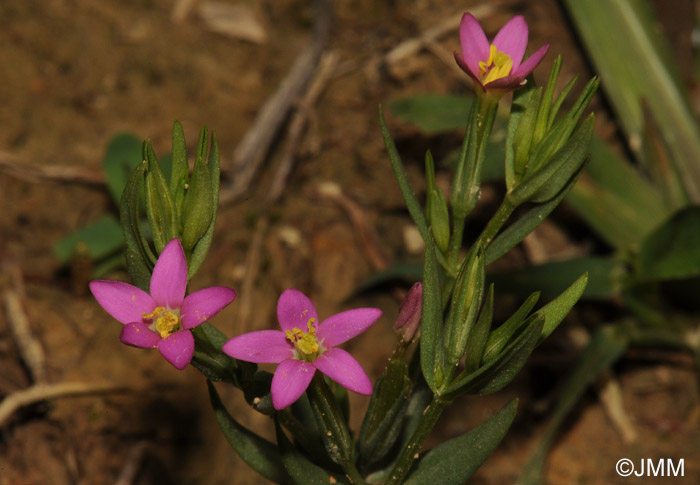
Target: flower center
498,65
165,321
305,342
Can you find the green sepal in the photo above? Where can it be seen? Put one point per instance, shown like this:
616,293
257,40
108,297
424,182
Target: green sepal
140,260
495,375
384,418
455,461
197,208
523,138
436,210
160,207
261,455
431,344
548,181
544,120
202,247
300,469
521,100
480,333
500,337
465,306
180,174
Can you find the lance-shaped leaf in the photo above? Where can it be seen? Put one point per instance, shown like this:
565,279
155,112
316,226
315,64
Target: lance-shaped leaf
495,375
261,455
384,419
431,345
122,156
522,99
673,250
101,238
301,470
436,207
555,311
454,461
517,231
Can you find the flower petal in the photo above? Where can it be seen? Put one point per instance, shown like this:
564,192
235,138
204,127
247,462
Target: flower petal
512,39
504,84
123,301
169,278
344,369
531,62
178,348
343,326
201,305
294,309
261,347
138,334
291,379
475,45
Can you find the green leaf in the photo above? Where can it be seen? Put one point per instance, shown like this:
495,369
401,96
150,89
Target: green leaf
202,248
261,455
604,349
527,223
495,375
455,461
431,350
300,469
122,157
384,418
409,195
102,238
433,113
555,311
480,333
521,100
197,208
552,278
673,250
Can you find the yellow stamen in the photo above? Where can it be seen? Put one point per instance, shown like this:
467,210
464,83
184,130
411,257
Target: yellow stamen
166,321
498,65
305,342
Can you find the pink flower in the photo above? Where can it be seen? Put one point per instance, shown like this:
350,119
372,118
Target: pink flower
496,67
304,345
164,318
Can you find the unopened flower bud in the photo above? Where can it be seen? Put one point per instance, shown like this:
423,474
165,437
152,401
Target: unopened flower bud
410,312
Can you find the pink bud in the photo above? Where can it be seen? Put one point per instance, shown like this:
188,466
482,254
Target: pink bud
410,312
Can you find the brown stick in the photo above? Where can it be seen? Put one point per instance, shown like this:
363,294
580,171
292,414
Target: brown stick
14,167
256,143
43,392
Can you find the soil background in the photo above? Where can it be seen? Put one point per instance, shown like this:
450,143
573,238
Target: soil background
76,72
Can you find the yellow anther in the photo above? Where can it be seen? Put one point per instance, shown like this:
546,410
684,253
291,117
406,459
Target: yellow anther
498,65
305,342
166,321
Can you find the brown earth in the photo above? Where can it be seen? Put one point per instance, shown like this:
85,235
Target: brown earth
76,72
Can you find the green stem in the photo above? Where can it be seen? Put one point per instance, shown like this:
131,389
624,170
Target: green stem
496,223
413,447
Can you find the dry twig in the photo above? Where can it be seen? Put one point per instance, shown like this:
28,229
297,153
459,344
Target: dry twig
14,167
43,392
256,143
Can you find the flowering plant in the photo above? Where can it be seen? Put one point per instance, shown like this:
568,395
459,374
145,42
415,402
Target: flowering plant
446,345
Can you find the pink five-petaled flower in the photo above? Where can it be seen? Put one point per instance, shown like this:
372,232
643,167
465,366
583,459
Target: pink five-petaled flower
164,318
304,345
497,66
